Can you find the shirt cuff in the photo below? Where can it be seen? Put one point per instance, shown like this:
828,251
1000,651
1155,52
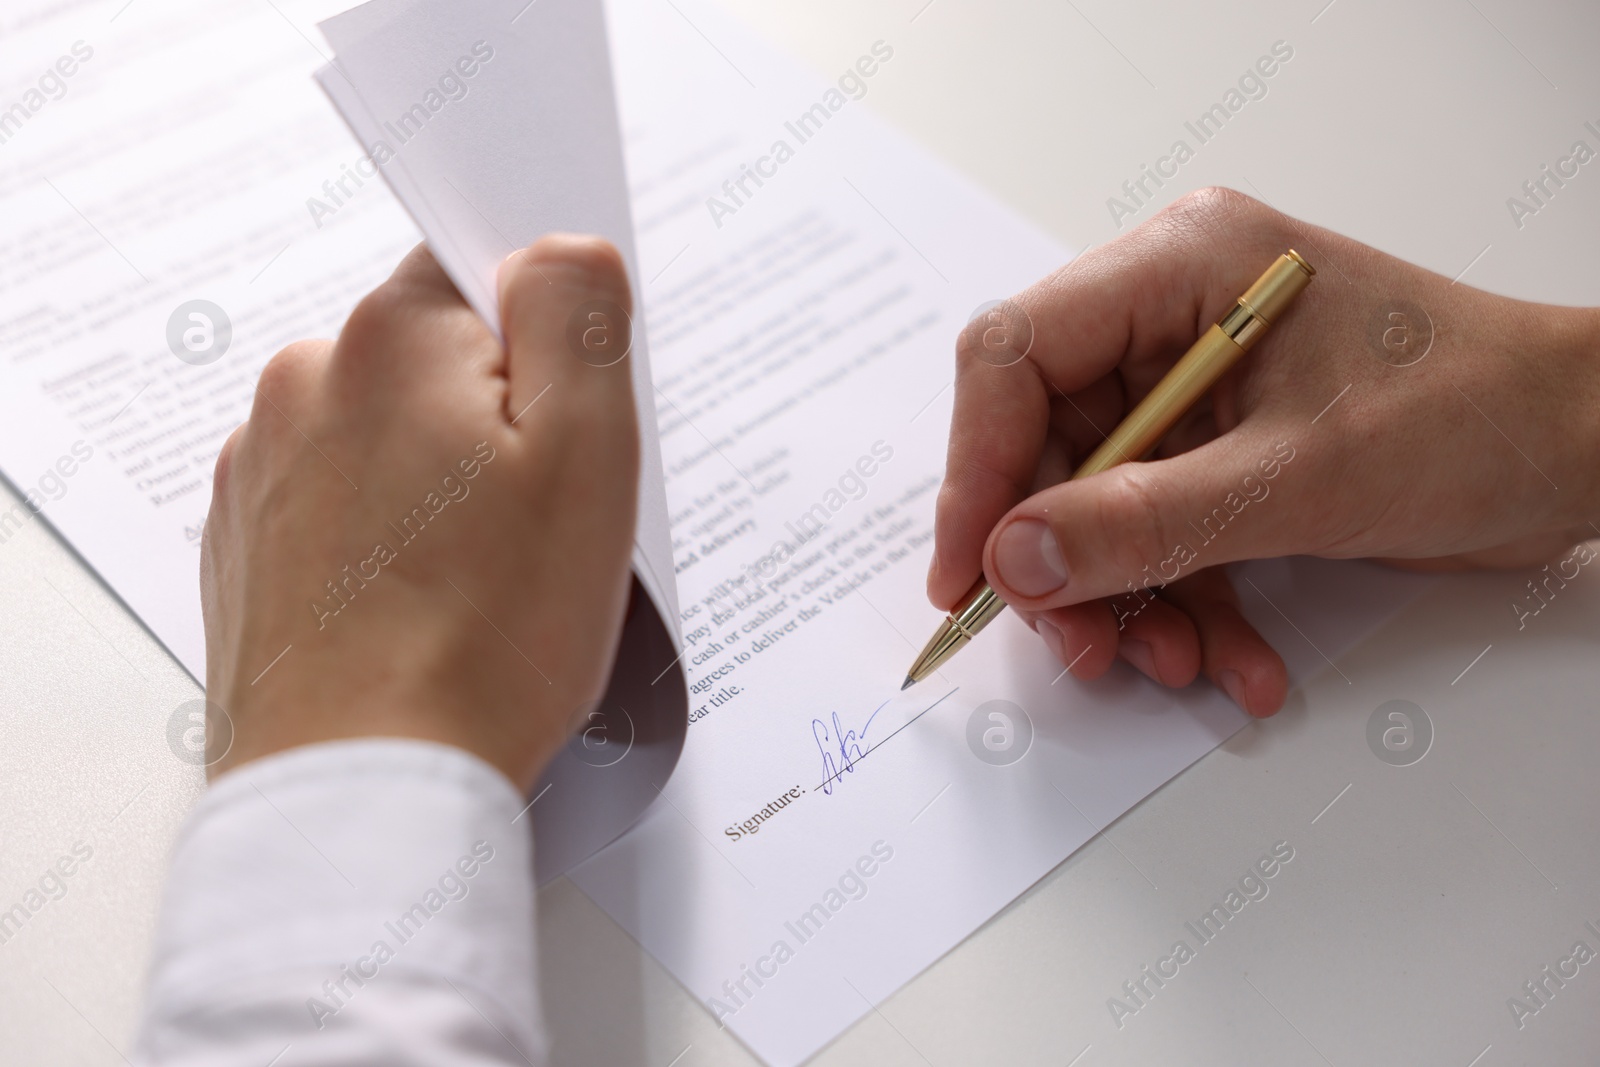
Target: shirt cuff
344,866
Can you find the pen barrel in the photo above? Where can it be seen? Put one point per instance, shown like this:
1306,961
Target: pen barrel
1207,360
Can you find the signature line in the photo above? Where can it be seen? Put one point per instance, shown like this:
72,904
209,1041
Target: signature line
835,775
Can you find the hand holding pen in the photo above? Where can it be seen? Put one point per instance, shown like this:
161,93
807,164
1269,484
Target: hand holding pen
1401,416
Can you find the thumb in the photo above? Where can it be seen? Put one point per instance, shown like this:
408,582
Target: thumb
565,311
1142,525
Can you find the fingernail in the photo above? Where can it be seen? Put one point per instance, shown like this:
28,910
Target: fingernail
1232,683
1054,639
1141,656
1029,559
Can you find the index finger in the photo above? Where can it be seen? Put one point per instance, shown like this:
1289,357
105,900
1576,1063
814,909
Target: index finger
1130,307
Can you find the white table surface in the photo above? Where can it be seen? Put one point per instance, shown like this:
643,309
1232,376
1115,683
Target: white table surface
1416,905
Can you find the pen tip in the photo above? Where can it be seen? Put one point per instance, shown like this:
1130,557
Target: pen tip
909,682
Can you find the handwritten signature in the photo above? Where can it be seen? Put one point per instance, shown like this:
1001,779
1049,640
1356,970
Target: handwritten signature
840,748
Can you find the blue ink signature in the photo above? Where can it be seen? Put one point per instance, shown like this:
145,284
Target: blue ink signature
840,748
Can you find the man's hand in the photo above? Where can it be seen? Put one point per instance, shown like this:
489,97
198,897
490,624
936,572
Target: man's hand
420,533
1391,413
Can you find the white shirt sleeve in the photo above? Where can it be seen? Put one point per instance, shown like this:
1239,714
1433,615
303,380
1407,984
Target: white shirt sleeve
351,902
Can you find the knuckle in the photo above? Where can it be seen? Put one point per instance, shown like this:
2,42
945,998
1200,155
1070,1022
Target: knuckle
287,374
420,267
969,345
974,348
1001,334
374,334
1213,206
373,318
225,459
1217,217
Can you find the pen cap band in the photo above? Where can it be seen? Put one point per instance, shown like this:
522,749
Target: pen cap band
1275,290
977,609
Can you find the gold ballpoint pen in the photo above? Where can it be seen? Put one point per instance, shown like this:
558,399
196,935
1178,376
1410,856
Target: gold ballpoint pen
1138,434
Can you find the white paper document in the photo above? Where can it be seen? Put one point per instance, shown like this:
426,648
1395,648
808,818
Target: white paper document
803,272
172,166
